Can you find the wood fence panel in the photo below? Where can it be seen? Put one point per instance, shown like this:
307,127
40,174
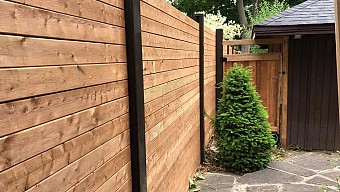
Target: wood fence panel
265,77
171,86
63,96
209,82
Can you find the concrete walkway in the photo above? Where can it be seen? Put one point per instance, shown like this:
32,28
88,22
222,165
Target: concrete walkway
304,172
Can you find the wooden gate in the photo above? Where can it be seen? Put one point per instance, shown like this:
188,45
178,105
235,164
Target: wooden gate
268,71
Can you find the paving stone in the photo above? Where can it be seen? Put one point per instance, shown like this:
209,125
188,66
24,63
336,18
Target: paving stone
216,181
206,189
314,161
300,188
271,188
321,181
268,176
291,168
332,174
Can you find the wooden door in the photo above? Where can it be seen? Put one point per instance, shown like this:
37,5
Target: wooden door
265,70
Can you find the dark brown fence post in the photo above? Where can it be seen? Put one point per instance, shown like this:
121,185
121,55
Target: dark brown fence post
136,94
219,63
200,19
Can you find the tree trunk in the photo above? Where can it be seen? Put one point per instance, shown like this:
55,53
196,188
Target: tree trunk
244,22
255,6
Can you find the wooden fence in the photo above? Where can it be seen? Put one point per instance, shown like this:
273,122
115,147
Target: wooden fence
269,77
64,99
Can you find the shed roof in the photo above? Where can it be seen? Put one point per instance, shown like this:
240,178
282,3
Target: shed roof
311,16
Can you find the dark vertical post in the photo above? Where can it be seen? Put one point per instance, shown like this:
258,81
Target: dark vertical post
136,94
200,19
219,63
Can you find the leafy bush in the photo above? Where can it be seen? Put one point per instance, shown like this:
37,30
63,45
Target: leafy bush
243,133
231,30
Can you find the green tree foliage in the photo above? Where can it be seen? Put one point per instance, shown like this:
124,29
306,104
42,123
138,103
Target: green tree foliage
243,133
227,8
267,9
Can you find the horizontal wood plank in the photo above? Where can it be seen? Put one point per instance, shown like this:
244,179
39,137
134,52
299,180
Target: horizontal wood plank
156,27
160,116
152,67
157,104
157,129
117,180
155,92
17,51
253,41
253,57
172,11
51,134
16,82
36,169
19,19
151,54
107,170
153,40
164,77
76,171
38,110
87,9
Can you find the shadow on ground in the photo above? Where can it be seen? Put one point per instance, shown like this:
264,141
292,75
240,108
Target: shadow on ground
303,172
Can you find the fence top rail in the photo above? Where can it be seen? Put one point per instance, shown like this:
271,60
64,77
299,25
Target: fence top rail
253,57
253,41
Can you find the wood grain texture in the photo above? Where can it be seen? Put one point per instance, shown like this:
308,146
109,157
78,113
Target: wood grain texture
38,110
152,67
50,134
152,54
171,11
156,27
152,40
156,104
157,91
33,170
16,81
84,166
337,42
160,118
19,19
110,13
18,51
164,77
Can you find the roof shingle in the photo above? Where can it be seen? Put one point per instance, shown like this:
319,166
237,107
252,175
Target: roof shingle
306,13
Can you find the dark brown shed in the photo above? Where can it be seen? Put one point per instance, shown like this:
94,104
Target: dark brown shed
313,120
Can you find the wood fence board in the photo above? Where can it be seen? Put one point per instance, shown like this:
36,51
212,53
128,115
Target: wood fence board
50,134
87,9
17,81
156,14
152,40
157,91
152,54
19,19
156,27
156,130
252,57
152,67
155,105
35,169
38,110
171,11
97,178
74,172
20,51
160,78
158,116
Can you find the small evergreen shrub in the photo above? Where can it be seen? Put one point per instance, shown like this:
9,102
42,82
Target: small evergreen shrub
243,133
